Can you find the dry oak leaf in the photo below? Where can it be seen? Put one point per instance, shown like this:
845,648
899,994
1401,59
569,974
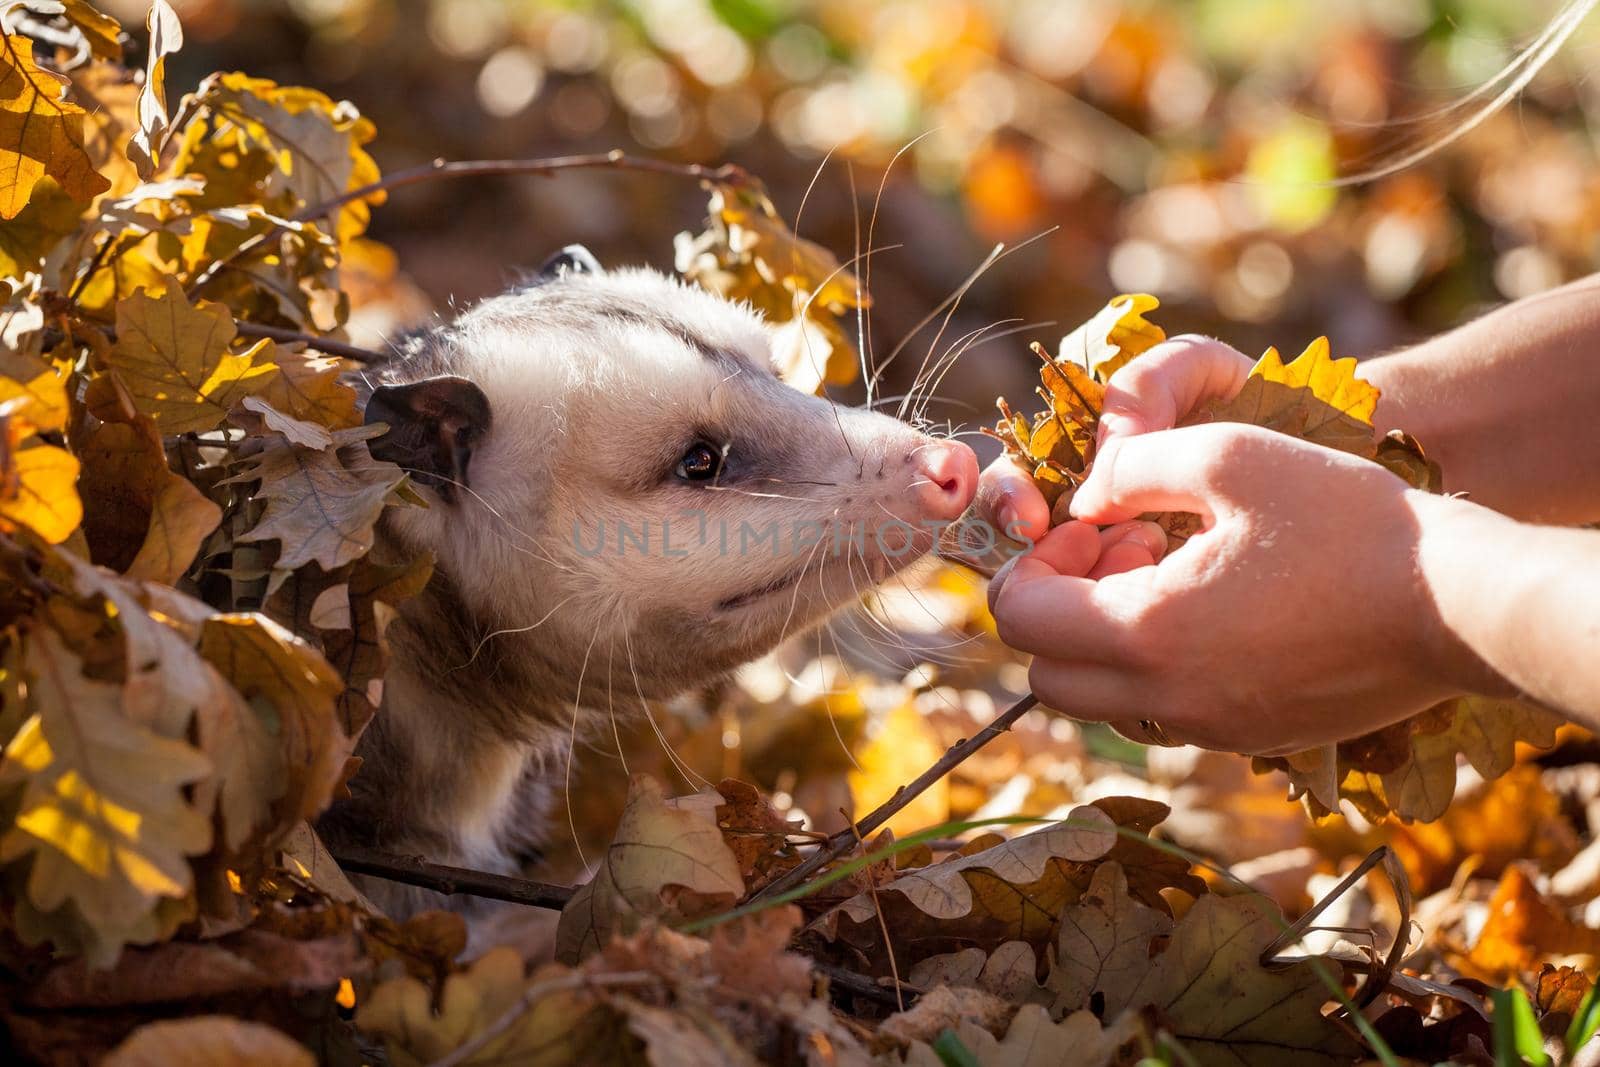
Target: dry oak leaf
1314,397
41,132
666,860
103,32
173,359
1103,946
205,1040
1225,1008
140,518
311,389
1112,336
747,253
1409,769
312,435
104,816
322,505
1034,1041
1009,972
26,240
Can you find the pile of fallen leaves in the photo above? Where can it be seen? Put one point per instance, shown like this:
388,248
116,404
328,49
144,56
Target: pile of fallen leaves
192,627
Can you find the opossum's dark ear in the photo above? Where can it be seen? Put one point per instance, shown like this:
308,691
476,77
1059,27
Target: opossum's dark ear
433,426
573,259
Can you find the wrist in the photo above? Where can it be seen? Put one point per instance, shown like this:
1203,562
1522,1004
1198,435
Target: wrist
1462,550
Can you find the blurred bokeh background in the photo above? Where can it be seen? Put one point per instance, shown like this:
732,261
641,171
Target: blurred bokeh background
1178,147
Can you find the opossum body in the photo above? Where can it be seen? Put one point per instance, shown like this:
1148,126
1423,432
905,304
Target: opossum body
625,502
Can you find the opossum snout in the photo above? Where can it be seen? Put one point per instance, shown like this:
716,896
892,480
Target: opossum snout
946,479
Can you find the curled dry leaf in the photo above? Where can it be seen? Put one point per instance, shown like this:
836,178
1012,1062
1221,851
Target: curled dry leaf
166,37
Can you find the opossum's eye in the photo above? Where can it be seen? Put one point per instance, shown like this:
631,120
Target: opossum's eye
701,463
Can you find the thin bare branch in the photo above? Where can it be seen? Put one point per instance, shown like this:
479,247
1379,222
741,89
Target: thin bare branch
441,878
842,842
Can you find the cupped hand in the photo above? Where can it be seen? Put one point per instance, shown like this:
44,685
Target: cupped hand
1295,618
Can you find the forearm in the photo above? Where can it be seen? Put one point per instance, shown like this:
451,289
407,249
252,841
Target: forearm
1522,600
1509,405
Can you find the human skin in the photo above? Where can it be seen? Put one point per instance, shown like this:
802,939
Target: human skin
1325,598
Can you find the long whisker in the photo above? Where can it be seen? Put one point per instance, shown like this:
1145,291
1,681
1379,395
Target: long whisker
572,743
509,630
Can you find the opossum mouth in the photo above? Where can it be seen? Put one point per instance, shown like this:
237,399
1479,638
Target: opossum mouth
775,586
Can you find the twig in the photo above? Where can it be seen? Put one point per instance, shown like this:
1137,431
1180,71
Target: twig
859,985
413,870
310,340
616,159
530,996
840,843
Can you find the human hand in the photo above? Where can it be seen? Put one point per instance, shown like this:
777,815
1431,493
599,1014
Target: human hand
1169,383
1295,618
1154,392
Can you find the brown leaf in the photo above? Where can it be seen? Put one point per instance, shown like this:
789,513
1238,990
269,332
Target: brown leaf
660,845
1103,946
322,506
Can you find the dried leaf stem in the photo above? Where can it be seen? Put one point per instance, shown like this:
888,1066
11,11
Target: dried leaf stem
840,843
413,870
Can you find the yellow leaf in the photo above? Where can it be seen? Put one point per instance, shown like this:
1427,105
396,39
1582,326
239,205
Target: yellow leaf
1114,335
1314,397
38,489
27,239
173,359
36,406
103,32
40,131
747,253
109,94
104,813
315,142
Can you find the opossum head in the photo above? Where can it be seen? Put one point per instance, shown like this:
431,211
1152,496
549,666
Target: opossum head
622,488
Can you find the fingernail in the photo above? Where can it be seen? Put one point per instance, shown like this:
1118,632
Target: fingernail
999,580
1148,535
1007,516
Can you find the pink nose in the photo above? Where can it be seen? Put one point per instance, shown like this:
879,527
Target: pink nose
947,477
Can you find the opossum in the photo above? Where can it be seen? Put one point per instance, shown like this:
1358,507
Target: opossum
606,456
